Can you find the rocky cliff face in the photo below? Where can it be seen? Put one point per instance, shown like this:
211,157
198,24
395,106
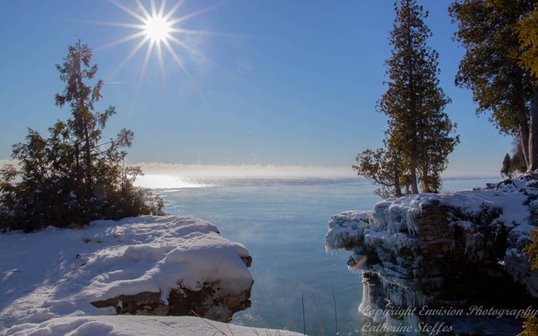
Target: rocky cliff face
443,249
213,301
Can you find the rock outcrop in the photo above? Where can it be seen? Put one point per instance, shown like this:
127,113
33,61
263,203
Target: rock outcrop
208,270
146,265
212,301
443,249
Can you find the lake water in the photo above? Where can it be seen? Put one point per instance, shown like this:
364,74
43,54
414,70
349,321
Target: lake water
282,222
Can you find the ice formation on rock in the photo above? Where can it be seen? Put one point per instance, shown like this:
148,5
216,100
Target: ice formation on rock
426,249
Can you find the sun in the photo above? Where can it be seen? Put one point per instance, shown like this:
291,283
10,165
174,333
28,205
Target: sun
157,29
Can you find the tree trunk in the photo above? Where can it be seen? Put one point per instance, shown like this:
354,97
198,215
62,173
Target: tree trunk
524,142
88,155
77,164
413,175
425,180
88,161
412,118
397,186
533,133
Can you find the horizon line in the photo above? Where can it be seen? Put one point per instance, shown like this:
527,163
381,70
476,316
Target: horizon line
199,170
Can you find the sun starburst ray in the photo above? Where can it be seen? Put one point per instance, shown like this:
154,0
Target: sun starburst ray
161,64
133,52
142,8
197,32
161,32
161,8
153,7
114,24
160,57
122,40
146,62
128,10
179,61
173,10
186,47
189,16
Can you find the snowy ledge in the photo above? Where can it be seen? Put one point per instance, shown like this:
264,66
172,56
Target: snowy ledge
142,265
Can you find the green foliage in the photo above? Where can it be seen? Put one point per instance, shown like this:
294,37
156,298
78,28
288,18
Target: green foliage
420,134
382,167
530,326
491,66
532,249
500,38
528,36
73,177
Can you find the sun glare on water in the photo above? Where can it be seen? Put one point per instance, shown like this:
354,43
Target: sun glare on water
158,181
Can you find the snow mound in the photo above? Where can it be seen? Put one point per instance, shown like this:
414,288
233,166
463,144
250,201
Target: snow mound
58,272
138,325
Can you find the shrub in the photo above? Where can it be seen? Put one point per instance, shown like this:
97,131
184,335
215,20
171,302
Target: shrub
73,176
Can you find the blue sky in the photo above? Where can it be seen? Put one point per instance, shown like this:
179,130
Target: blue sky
284,83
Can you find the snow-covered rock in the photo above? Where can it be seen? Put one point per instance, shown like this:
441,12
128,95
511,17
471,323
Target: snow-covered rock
151,265
430,249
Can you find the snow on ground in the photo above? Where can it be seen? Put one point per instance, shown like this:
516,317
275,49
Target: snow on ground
58,272
139,325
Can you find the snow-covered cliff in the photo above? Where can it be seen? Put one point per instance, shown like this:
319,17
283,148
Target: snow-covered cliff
441,249
142,265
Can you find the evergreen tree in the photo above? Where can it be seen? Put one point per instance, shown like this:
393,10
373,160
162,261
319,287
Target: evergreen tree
514,165
383,167
492,68
73,176
419,131
506,170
